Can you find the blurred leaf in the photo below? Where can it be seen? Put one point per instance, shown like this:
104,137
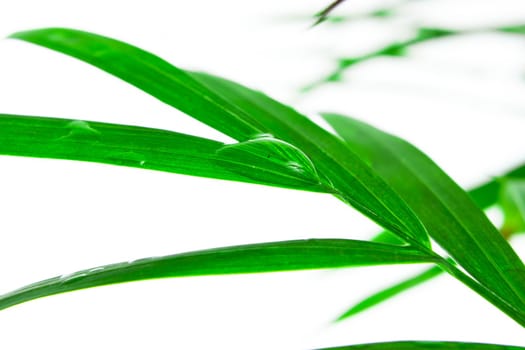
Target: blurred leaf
426,345
515,29
243,114
253,258
449,215
512,201
146,149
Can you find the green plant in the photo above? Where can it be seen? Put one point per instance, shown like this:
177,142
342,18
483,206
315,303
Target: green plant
384,177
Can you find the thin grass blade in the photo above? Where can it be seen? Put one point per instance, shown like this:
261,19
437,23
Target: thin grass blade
254,258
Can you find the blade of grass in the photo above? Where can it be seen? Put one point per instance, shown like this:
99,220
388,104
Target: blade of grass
242,114
146,149
450,216
426,345
254,258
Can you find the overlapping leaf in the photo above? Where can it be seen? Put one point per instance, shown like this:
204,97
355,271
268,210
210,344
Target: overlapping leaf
254,258
242,114
357,174
450,216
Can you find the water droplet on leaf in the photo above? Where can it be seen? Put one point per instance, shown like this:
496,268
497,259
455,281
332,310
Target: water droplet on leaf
269,160
82,130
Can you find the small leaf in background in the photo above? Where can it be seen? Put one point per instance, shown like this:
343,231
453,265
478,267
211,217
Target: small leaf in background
512,202
253,258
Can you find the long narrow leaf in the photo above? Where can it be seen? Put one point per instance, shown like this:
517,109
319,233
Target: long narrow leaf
254,258
242,114
426,345
145,148
449,215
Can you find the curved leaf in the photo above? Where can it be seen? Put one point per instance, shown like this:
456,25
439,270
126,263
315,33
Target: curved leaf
254,258
242,114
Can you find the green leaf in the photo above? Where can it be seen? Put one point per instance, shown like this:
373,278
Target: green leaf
426,345
390,292
243,114
515,29
254,258
451,218
148,149
353,179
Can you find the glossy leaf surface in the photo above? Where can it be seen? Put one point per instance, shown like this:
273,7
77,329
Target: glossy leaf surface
146,149
243,114
450,216
254,258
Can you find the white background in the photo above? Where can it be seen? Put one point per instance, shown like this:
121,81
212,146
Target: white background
460,100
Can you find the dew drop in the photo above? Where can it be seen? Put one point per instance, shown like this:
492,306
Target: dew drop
96,269
80,129
270,159
72,276
263,136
